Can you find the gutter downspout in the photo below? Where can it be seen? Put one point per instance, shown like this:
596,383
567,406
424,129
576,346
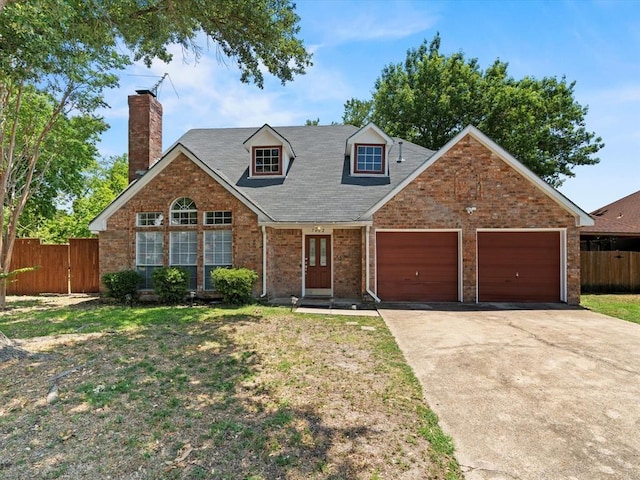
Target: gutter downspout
373,295
264,262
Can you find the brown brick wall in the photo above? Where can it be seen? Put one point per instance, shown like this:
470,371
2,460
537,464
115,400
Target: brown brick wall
182,178
145,133
471,175
347,263
284,262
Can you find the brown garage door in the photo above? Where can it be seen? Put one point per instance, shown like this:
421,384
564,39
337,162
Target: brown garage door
519,266
417,266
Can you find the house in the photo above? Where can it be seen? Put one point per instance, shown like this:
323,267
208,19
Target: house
343,212
610,249
617,226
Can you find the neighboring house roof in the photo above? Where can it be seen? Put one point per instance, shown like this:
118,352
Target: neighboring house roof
621,217
318,186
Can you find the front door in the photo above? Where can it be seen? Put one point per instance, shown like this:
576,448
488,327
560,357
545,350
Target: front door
317,265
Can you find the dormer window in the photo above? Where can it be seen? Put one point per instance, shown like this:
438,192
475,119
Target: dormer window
267,160
270,153
370,158
368,150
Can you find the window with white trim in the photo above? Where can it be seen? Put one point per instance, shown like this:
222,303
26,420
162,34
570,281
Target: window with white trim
217,218
218,253
370,158
184,212
183,253
149,219
149,256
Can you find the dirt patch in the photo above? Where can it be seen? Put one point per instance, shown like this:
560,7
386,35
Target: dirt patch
9,350
24,303
16,349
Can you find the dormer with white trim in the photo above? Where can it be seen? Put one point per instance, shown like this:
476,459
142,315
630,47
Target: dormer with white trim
270,154
368,152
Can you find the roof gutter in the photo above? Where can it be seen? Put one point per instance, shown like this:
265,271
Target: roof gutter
290,225
368,288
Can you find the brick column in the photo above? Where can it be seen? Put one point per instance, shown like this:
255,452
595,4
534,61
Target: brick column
145,132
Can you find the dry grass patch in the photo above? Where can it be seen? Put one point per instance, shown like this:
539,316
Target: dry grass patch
251,393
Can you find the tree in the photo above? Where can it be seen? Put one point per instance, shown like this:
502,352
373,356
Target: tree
62,55
103,183
357,112
431,97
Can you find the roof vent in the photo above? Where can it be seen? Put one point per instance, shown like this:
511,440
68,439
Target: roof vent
400,159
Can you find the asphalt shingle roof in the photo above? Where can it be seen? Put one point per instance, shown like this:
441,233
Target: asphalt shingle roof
619,217
318,187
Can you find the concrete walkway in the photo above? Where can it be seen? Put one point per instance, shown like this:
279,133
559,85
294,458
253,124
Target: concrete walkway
529,393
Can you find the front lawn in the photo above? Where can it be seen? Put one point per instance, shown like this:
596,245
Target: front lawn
626,307
211,393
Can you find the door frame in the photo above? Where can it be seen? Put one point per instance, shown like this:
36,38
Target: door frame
423,230
322,292
563,254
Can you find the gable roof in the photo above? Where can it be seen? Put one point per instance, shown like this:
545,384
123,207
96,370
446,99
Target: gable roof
99,223
582,217
363,131
318,187
621,217
267,128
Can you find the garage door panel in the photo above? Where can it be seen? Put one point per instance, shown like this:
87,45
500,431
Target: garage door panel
519,266
417,266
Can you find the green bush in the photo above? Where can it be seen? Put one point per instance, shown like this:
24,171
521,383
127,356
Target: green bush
235,284
122,286
170,284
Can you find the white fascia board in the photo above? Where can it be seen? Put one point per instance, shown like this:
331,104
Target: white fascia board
297,225
99,223
582,217
248,142
370,126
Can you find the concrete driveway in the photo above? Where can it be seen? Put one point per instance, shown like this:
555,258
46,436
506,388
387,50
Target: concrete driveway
529,393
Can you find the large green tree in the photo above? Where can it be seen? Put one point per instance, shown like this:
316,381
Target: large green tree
101,184
431,97
57,57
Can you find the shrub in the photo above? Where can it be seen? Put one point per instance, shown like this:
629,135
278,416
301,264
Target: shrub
123,285
235,284
170,284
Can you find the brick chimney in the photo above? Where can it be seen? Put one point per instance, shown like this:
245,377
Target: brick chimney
145,132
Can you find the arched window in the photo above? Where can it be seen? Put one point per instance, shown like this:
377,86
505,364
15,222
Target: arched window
184,212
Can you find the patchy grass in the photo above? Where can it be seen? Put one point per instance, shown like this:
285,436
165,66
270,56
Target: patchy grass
196,392
625,307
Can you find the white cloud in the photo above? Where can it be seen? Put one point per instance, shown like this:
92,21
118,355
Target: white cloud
370,21
371,27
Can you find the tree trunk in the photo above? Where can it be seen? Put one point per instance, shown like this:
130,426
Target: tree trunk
3,295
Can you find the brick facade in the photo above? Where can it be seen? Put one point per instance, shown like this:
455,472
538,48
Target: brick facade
181,178
469,174
284,262
347,263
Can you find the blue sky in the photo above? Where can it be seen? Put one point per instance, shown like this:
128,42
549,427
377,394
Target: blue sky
595,43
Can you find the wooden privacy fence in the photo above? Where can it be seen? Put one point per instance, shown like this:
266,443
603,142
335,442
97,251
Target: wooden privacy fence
69,268
610,271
